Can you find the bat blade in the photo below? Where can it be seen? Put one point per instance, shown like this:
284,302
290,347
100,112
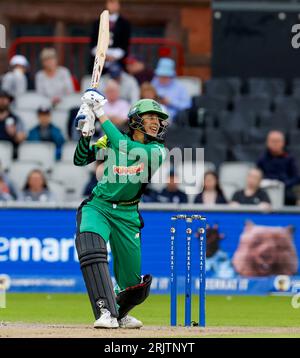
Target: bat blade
102,46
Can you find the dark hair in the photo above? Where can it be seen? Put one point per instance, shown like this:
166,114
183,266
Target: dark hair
215,175
45,186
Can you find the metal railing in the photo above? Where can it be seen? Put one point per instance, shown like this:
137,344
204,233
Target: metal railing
74,52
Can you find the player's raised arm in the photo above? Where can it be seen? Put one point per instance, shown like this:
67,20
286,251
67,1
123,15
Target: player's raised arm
84,152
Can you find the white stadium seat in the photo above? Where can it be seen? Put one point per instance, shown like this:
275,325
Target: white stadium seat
68,151
28,117
59,117
73,178
234,173
32,100
6,154
57,189
19,171
70,101
192,84
41,152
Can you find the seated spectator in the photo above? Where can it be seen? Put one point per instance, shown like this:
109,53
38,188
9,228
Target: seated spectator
15,82
149,196
252,194
138,69
36,188
129,87
95,176
277,164
4,190
45,131
212,192
171,92
148,91
53,81
11,126
115,108
172,194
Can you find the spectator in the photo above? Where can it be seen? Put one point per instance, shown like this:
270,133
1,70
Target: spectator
150,195
171,92
45,131
4,190
138,69
15,82
129,88
36,188
95,176
277,164
252,194
11,126
212,192
120,31
115,108
172,194
53,81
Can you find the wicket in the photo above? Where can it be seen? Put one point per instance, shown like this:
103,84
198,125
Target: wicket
188,265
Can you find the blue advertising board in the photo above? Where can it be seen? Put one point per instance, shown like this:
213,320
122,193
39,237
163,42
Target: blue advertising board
37,251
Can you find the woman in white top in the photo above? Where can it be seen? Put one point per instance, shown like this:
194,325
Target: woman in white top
53,81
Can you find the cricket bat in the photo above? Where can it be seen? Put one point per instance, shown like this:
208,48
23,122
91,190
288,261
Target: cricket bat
102,46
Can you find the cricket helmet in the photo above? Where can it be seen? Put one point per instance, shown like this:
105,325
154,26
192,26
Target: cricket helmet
144,106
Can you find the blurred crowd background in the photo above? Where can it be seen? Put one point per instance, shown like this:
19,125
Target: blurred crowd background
247,123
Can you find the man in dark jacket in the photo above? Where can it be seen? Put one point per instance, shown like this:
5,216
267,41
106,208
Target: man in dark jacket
171,193
276,163
46,131
120,31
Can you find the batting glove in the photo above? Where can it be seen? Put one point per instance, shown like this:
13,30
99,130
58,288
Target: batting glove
95,100
85,120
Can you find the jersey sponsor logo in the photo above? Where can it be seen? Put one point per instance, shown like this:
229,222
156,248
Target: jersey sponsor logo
132,170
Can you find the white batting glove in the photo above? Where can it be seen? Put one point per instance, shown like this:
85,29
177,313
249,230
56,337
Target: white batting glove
95,100
85,120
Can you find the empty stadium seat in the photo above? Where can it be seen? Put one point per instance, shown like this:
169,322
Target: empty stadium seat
57,189
248,153
31,100
68,151
183,137
216,153
40,152
234,173
19,170
210,103
287,103
215,135
296,87
72,178
226,87
6,154
235,119
229,189
281,120
70,101
28,117
252,103
269,86
59,118
255,135
294,138
276,191
192,84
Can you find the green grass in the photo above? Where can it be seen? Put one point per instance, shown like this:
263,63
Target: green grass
245,311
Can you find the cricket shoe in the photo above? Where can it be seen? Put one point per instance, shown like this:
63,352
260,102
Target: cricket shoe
130,322
106,320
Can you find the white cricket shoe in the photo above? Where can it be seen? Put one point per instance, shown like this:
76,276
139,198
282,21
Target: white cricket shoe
106,320
130,322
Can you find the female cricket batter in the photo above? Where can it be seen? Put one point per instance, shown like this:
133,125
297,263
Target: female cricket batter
111,213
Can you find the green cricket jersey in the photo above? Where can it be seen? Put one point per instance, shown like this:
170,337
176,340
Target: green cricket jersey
129,165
